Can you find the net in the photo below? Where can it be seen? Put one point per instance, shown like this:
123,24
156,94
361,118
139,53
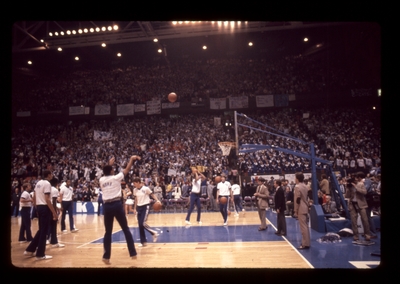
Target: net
226,147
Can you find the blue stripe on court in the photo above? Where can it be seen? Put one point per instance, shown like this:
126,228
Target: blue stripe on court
198,233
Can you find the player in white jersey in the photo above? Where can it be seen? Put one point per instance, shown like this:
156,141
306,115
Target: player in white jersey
224,190
44,211
142,195
195,195
52,236
237,199
110,185
67,204
26,205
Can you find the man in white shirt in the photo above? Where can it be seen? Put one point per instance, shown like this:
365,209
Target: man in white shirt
142,195
110,185
237,199
224,190
44,211
66,195
195,195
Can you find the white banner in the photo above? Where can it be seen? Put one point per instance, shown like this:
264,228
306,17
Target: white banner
217,103
126,109
140,108
23,113
101,135
102,110
170,105
171,172
76,110
265,101
217,121
239,102
153,107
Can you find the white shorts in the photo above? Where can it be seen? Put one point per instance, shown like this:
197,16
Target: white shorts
129,202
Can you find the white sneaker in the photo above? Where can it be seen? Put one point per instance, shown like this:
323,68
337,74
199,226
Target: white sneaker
21,242
226,224
142,245
28,253
74,230
47,242
64,231
44,257
58,245
155,237
236,215
199,222
187,222
106,260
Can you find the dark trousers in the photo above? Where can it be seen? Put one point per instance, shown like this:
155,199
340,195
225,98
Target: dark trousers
99,204
115,210
194,199
52,235
67,206
281,221
223,208
15,208
142,214
237,199
25,228
38,243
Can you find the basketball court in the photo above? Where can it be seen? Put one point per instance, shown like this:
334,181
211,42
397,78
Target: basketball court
206,245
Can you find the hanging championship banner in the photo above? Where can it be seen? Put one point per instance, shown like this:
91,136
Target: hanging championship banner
170,105
125,109
23,113
76,110
102,110
217,103
140,107
239,102
265,101
153,107
281,100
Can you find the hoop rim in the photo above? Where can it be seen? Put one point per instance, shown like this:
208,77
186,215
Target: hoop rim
227,143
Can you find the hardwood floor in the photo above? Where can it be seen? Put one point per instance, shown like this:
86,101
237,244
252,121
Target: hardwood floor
174,248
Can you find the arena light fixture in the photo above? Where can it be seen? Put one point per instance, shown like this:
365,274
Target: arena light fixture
103,44
155,40
116,27
29,62
59,49
76,58
159,50
91,30
68,32
119,54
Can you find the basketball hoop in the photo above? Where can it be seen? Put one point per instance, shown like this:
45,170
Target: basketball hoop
226,147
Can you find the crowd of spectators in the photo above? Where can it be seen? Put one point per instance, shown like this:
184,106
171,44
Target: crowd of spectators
192,79
349,138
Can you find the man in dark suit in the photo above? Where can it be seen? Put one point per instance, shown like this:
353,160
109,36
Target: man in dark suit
280,207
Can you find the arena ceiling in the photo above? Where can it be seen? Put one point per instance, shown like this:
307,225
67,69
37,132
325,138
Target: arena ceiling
32,36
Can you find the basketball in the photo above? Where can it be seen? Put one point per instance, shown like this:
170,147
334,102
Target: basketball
217,179
157,206
223,200
172,97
